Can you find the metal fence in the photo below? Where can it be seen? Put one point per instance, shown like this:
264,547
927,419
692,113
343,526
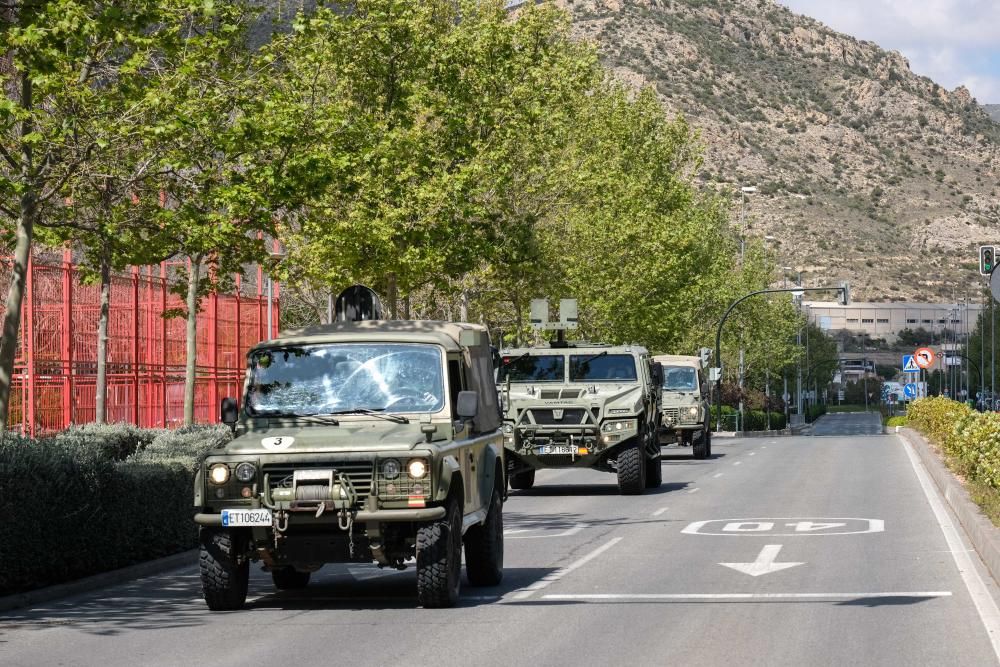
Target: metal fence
56,364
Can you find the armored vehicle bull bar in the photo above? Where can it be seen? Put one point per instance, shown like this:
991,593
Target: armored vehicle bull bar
380,516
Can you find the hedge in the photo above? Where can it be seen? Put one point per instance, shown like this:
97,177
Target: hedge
969,438
74,508
753,420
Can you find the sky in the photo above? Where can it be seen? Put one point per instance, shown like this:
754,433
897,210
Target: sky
954,42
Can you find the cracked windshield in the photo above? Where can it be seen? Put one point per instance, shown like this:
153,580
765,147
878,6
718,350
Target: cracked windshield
548,368
322,379
678,378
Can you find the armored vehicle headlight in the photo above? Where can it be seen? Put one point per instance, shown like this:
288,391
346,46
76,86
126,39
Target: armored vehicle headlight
417,468
390,468
618,425
246,472
508,428
692,412
219,473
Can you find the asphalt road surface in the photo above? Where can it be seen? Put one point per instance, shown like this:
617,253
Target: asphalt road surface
777,551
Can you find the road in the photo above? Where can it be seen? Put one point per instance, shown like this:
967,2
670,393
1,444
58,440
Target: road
836,555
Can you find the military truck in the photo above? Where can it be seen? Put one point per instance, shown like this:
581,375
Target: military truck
685,414
584,406
358,442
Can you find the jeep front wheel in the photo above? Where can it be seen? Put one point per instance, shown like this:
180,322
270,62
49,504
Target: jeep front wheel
224,569
631,470
702,446
654,472
484,546
522,480
288,578
439,559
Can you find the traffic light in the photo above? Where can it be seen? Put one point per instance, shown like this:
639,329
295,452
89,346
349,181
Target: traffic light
987,259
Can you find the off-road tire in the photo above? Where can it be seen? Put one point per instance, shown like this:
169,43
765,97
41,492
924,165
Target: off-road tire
522,480
631,470
484,546
439,559
224,568
654,473
289,579
701,446
708,442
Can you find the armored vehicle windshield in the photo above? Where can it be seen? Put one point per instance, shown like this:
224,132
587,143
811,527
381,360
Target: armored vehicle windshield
602,367
680,378
541,368
345,377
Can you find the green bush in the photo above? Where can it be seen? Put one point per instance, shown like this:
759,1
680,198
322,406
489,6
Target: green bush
970,440
898,420
73,508
814,412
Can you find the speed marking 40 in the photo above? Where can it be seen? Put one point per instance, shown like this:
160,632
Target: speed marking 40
785,527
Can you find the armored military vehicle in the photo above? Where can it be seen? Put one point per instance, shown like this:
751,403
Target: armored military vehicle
358,442
581,405
684,405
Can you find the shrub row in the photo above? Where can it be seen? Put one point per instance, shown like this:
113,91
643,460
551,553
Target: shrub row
969,438
753,420
95,498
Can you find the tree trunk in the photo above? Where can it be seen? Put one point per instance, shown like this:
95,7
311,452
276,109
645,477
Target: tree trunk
194,277
100,402
463,309
28,212
393,296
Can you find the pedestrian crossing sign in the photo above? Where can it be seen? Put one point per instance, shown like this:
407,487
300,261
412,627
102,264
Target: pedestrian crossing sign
910,364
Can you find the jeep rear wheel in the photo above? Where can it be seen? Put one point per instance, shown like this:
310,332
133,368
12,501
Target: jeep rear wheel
522,480
708,442
703,446
631,470
224,569
288,578
439,559
484,546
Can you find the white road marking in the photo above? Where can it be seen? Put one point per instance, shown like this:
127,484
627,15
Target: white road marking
753,453
717,475
514,532
737,463
660,511
694,490
576,528
985,604
804,527
764,564
553,577
748,596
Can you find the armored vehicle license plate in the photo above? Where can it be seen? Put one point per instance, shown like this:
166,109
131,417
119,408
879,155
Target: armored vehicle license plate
556,449
246,518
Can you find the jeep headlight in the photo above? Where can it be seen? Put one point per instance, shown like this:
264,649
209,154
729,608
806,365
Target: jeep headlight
390,468
692,412
618,425
246,472
417,468
508,428
218,473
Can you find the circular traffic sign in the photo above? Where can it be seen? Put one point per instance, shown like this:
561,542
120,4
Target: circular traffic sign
924,356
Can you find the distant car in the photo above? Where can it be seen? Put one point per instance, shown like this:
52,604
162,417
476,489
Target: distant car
684,405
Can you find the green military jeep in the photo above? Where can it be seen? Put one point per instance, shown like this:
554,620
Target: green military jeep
685,408
359,442
582,405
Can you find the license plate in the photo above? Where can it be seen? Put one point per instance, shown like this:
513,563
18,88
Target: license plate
241,518
556,449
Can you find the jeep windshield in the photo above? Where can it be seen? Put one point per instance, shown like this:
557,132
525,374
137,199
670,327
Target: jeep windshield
680,378
540,368
345,377
602,368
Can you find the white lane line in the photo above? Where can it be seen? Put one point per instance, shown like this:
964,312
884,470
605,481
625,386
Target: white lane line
985,604
737,463
520,530
576,528
749,596
717,475
753,453
660,511
553,577
694,490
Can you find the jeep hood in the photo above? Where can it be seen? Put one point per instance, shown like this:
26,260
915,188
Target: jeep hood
355,436
674,398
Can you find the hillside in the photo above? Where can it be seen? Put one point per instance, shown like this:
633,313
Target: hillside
865,170
993,110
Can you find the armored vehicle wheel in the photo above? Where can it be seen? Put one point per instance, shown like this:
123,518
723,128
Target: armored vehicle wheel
225,571
631,471
439,559
288,578
708,442
700,449
484,546
654,473
522,480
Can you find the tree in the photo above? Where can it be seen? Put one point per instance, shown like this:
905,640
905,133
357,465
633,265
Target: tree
61,59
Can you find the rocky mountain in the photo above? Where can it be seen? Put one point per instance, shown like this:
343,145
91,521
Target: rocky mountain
993,110
864,170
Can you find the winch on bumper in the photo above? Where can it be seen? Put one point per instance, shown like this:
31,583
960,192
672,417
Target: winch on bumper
539,441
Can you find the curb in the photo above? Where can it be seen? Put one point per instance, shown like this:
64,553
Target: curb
984,536
102,580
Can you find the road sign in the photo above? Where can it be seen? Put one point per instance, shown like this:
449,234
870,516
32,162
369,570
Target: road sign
910,390
910,364
924,356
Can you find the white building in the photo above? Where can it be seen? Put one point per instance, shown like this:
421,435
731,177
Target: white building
886,320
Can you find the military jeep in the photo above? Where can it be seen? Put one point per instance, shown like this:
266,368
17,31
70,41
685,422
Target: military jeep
584,406
685,407
358,442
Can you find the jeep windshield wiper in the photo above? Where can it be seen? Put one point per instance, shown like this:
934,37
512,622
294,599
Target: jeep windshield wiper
374,412
515,359
587,360
321,418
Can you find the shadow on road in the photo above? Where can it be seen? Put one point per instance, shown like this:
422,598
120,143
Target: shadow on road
592,490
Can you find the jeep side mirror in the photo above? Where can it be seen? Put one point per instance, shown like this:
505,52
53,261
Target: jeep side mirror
230,412
467,406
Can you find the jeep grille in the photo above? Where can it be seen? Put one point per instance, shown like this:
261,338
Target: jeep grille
555,394
359,472
672,413
569,416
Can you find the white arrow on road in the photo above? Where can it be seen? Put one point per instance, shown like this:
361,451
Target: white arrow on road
764,564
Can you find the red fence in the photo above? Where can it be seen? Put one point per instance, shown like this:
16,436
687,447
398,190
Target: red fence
56,365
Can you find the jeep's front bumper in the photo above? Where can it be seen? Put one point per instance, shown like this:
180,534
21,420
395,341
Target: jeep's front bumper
363,516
